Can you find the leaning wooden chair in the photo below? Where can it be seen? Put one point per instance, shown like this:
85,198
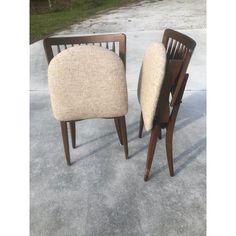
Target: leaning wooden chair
86,80
162,83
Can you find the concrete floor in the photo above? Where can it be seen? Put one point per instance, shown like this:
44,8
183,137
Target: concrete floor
102,193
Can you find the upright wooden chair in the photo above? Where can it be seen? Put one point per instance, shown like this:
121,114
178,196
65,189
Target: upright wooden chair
87,81
179,49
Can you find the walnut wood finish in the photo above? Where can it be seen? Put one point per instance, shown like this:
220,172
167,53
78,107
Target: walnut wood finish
64,133
179,49
141,126
73,133
118,130
170,128
113,42
160,133
124,135
151,150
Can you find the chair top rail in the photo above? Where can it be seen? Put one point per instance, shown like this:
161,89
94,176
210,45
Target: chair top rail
182,38
84,39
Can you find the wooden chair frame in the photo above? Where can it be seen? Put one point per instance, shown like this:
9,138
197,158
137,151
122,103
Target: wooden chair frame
114,42
179,49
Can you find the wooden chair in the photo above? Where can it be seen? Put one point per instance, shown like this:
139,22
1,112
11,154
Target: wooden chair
179,49
91,43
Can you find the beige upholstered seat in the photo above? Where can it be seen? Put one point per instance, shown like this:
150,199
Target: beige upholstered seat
150,82
87,82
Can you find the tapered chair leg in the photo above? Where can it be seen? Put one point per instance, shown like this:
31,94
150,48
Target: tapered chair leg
124,135
140,126
170,127
169,138
169,151
151,150
118,130
73,133
64,133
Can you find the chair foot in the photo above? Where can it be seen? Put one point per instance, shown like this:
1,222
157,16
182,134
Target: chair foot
151,150
146,175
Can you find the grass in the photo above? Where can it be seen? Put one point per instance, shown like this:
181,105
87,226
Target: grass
43,24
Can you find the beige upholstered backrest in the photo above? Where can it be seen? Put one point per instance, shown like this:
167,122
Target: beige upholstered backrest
87,82
150,81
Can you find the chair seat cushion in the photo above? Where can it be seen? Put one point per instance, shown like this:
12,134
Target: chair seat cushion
87,82
150,81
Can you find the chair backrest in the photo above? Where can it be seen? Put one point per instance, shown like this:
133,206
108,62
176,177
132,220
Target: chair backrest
114,42
179,49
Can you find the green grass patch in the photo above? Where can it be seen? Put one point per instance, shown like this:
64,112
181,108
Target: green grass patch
43,24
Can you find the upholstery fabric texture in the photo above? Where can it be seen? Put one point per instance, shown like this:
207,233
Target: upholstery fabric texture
87,82
150,81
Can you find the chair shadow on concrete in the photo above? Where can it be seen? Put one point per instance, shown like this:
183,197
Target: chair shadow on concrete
190,112
103,146
188,156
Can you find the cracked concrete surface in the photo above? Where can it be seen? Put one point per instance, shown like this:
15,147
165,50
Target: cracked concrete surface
102,193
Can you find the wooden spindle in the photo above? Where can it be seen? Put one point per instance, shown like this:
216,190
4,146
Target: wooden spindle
113,46
176,50
173,49
169,47
58,49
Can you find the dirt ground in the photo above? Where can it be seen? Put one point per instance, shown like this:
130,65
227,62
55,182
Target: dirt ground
145,16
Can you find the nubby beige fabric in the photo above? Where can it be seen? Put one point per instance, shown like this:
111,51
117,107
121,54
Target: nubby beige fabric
87,82
150,81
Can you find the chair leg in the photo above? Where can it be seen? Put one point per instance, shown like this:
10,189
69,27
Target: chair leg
151,150
169,151
118,130
169,138
160,134
140,126
171,125
64,133
124,135
73,133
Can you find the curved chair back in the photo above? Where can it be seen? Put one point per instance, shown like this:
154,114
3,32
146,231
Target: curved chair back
114,42
179,50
